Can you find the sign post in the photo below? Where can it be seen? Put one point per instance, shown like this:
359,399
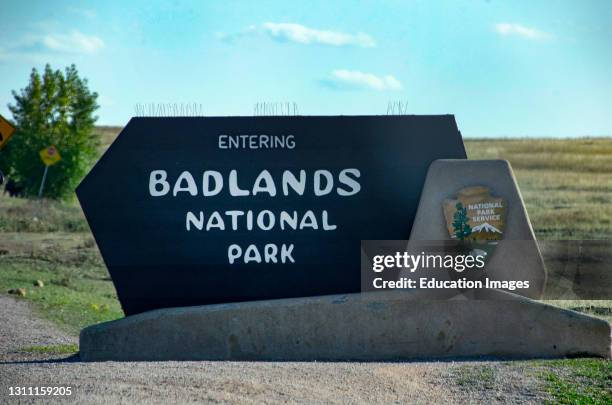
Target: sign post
49,157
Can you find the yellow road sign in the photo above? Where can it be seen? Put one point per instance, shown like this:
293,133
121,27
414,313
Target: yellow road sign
50,155
6,131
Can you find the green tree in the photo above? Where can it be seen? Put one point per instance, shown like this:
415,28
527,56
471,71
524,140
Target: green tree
55,109
460,222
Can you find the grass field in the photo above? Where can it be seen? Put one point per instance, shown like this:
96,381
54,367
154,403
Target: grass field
566,184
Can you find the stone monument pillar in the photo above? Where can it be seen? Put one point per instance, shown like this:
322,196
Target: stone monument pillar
516,255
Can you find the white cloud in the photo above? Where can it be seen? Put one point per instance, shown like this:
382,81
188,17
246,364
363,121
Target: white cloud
507,29
75,42
302,35
305,35
33,46
343,78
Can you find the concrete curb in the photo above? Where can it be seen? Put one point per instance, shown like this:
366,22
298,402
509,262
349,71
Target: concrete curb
377,326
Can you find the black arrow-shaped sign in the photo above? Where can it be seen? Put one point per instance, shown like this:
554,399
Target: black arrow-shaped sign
190,211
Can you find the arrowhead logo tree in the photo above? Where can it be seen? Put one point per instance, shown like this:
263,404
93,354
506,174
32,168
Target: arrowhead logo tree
460,223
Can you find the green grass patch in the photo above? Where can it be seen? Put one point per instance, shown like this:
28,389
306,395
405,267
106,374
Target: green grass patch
52,349
578,381
73,297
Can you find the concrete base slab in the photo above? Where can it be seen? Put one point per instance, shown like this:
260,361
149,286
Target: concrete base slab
372,326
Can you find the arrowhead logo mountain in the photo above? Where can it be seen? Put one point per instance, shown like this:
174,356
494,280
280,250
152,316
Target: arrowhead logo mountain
486,227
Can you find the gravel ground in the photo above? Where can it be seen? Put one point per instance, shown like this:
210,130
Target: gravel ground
245,382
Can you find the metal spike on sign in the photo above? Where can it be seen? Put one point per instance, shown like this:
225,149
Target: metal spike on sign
169,110
397,107
284,108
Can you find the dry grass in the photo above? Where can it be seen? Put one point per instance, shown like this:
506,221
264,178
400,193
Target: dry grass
566,183
22,215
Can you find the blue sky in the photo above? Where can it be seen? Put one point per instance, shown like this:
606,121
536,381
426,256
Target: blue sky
504,68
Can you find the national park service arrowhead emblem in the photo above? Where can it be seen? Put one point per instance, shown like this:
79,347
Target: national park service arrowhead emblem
475,215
